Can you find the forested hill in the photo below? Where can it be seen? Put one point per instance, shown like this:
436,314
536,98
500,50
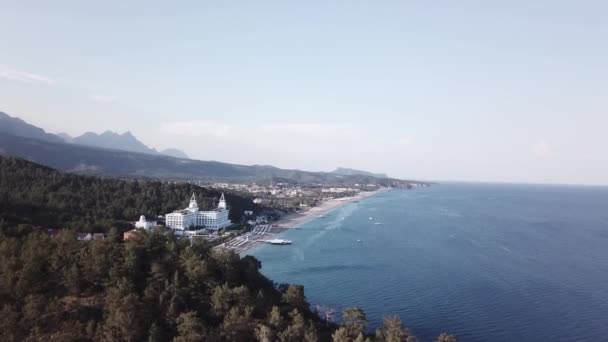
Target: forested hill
40,196
153,287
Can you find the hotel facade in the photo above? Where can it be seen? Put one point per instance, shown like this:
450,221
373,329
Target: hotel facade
182,220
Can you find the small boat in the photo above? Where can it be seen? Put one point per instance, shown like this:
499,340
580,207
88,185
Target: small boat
359,240
278,242
371,218
377,223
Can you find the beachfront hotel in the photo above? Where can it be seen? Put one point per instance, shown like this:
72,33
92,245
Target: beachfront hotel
184,219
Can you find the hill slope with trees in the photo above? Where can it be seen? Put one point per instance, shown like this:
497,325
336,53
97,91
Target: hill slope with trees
40,196
152,287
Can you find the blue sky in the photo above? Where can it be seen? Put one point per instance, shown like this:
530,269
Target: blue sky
510,91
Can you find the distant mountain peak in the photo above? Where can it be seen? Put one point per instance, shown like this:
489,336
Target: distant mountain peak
113,140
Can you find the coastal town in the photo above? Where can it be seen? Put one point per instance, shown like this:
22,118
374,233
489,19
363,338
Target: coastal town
282,211
274,208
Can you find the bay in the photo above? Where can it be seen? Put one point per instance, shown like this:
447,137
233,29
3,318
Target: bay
486,262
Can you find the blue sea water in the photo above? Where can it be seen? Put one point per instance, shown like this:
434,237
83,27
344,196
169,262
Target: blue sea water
484,262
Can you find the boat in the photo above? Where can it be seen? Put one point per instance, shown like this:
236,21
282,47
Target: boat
371,218
377,223
278,242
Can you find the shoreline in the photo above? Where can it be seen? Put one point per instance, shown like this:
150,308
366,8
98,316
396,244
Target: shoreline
250,240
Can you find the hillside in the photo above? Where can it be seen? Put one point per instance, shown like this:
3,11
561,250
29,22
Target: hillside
152,287
116,163
40,196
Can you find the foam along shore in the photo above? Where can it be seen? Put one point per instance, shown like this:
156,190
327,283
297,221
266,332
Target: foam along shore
247,241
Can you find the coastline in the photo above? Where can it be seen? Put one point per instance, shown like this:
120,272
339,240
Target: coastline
246,242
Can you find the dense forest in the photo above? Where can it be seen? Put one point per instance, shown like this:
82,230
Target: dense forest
153,287
40,196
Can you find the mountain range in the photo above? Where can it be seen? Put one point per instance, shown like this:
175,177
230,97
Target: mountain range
122,155
126,142
108,139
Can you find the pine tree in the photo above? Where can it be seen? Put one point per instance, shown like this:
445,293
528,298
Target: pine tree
189,328
294,296
392,330
264,333
121,308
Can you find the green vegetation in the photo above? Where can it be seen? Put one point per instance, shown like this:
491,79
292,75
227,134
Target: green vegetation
42,197
153,287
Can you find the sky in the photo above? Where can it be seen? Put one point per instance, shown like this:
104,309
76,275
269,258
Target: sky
507,91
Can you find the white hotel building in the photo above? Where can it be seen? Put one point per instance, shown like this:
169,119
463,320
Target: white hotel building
145,224
184,219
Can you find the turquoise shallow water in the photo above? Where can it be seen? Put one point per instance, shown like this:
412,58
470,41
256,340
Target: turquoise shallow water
486,262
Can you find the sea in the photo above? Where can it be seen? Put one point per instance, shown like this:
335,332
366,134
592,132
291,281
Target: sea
486,262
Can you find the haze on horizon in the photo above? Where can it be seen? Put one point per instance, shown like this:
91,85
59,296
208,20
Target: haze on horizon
470,90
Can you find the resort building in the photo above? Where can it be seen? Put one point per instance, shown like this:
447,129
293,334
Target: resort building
145,224
190,217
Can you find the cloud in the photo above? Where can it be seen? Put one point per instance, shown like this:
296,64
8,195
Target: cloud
103,98
11,74
197,129
542,149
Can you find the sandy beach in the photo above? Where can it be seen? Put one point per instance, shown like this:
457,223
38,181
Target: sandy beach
245,242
